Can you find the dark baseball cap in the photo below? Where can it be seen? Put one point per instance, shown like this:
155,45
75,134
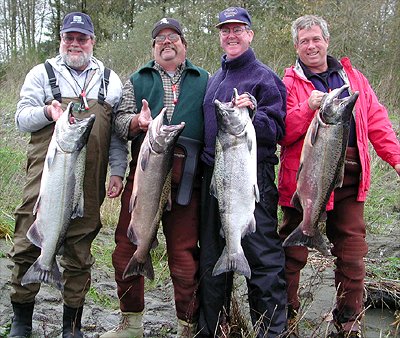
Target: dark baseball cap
166,23
77,22
234,14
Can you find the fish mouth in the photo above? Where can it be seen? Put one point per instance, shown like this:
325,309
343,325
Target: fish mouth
224,108
333,96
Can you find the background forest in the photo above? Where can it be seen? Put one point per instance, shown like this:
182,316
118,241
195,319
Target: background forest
365,30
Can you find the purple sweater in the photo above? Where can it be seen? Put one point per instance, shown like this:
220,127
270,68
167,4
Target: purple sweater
247,74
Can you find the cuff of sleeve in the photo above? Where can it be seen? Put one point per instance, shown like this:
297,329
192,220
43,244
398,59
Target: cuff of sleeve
118,171
46,114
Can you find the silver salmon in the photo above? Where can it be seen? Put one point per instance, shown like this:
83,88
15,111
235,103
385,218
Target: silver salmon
151,193
321,167
234,183
61,195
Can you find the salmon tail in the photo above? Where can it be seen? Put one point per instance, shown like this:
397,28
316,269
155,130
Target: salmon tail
298,238
237,262
36,274
136,268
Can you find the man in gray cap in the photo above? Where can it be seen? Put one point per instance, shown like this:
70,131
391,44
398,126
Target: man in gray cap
173,82
72,76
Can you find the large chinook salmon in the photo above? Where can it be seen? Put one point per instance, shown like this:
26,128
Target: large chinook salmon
61,195
151,193
321,167
234,183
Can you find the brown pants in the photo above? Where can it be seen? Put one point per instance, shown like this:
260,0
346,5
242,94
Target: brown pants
180,226
345,229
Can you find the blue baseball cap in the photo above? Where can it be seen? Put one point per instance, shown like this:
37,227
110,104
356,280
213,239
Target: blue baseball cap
234,14
77,22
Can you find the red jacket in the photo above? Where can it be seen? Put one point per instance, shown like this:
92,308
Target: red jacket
372,123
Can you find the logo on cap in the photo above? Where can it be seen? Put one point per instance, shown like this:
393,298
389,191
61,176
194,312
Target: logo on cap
231,11
163,20
77,19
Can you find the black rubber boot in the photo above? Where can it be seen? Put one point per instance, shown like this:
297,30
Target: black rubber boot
72,322
21,326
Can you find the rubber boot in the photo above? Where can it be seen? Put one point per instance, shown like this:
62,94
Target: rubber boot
21,325
72,322
130,326
186,330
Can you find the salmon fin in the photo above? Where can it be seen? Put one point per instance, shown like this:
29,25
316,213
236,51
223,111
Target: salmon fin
298,171
50,157
297,238
340,177
252,226
249,143
35,274
135,268
238,264
145,159
168,205
296,202
256,193
221,232
154,244
314,132
37,204
61,250
34,235
132,235
132,203
78,207
213,185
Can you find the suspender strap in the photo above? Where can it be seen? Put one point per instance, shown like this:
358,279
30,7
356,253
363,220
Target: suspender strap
103,87
55,89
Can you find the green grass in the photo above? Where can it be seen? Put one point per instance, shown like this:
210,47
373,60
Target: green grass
103,299
11,178
385,268
382,208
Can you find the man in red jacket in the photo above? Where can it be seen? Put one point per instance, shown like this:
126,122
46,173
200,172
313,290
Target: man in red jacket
314,74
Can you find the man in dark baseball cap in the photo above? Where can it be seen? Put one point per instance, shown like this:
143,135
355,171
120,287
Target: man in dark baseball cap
166,23
77,22
172,82
234,15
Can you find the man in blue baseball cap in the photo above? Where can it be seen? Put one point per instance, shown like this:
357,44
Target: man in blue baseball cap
75,76
264,94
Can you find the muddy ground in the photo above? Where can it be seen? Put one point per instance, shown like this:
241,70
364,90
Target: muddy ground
317,293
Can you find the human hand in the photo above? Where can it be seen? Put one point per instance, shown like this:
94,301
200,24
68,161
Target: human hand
314,101
244,100
114,186
144,116
54,110
397,168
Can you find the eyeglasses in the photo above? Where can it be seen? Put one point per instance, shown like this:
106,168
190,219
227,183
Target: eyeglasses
173,37
237,31
68,39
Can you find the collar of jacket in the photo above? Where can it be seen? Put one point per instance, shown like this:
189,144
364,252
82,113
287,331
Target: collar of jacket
189,67
241,61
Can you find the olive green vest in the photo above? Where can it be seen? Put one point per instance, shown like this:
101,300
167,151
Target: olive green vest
147,84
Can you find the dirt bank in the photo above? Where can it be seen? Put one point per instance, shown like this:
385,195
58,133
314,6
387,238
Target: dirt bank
317,293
